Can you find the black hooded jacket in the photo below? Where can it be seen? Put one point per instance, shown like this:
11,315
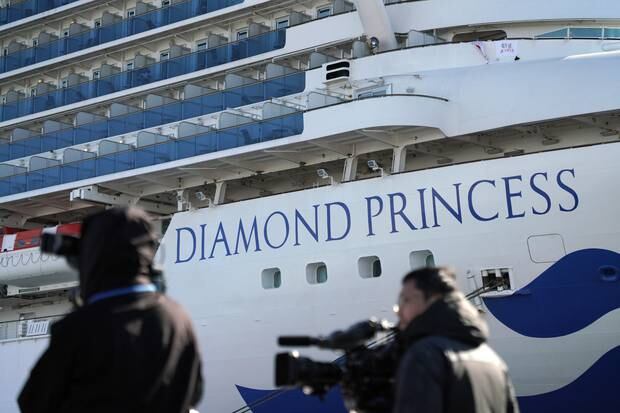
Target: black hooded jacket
448,367
132,353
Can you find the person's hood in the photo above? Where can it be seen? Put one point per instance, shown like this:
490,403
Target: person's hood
450,316
117,247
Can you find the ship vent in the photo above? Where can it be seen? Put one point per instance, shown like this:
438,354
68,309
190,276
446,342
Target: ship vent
337,72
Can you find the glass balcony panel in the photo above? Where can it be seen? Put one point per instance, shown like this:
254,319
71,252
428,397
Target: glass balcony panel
155,154
227,139
127,123
91,131
43,178
99,35
163,114
21,10
56,140
115,162
612,33
13,184
586,32
25,147
148,74
76,171
5,152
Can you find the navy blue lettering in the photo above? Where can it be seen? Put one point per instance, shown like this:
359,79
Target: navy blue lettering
247,240
400,212
370,215
456,213
330,236
568,189
314,233
423,208
540,192
266,232
470,200
220,237
510,195
193,234
202,242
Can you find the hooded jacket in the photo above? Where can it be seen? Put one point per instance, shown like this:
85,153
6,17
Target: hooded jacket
133,352
447,365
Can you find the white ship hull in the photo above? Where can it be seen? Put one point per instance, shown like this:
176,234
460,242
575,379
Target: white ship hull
549,218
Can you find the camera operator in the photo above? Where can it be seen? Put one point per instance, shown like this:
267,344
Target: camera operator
447,365
129,348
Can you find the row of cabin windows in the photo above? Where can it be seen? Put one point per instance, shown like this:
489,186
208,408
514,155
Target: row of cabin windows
367,267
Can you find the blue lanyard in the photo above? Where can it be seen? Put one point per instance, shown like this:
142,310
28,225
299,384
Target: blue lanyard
134,289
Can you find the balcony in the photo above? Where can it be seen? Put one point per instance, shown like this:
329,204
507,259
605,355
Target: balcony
190,107
162,70
27,8
53,48
117,157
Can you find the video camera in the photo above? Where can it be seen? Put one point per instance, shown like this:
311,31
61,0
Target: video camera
68,246
365,372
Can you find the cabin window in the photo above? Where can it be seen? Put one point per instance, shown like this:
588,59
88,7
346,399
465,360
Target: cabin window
586,32
479,36
271,278
316,273
556,34
496,279
421,259
324,11
201,45
282,22
611,33
369,267
242,34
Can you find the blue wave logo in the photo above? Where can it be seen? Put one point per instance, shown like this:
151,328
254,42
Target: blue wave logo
291,400
596,390
570,295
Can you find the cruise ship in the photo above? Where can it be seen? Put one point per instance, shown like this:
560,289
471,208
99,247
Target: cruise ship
299,157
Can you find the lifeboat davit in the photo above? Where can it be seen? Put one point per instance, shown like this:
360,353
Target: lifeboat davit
25,270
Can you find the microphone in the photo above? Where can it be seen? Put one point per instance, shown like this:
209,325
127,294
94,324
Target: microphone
297,341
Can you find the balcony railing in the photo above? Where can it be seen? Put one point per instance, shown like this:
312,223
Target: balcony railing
170,150
162,70
20,10
99,35
31,328
155,116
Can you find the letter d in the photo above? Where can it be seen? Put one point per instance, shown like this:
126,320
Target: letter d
193,234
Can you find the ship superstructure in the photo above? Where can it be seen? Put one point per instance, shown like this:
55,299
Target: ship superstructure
194,109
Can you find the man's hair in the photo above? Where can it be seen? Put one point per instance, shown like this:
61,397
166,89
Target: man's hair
431,280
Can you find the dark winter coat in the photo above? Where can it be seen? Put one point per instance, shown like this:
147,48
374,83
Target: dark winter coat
448,367
134,353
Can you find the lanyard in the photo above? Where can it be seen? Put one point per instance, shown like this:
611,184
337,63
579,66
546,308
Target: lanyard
134,289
